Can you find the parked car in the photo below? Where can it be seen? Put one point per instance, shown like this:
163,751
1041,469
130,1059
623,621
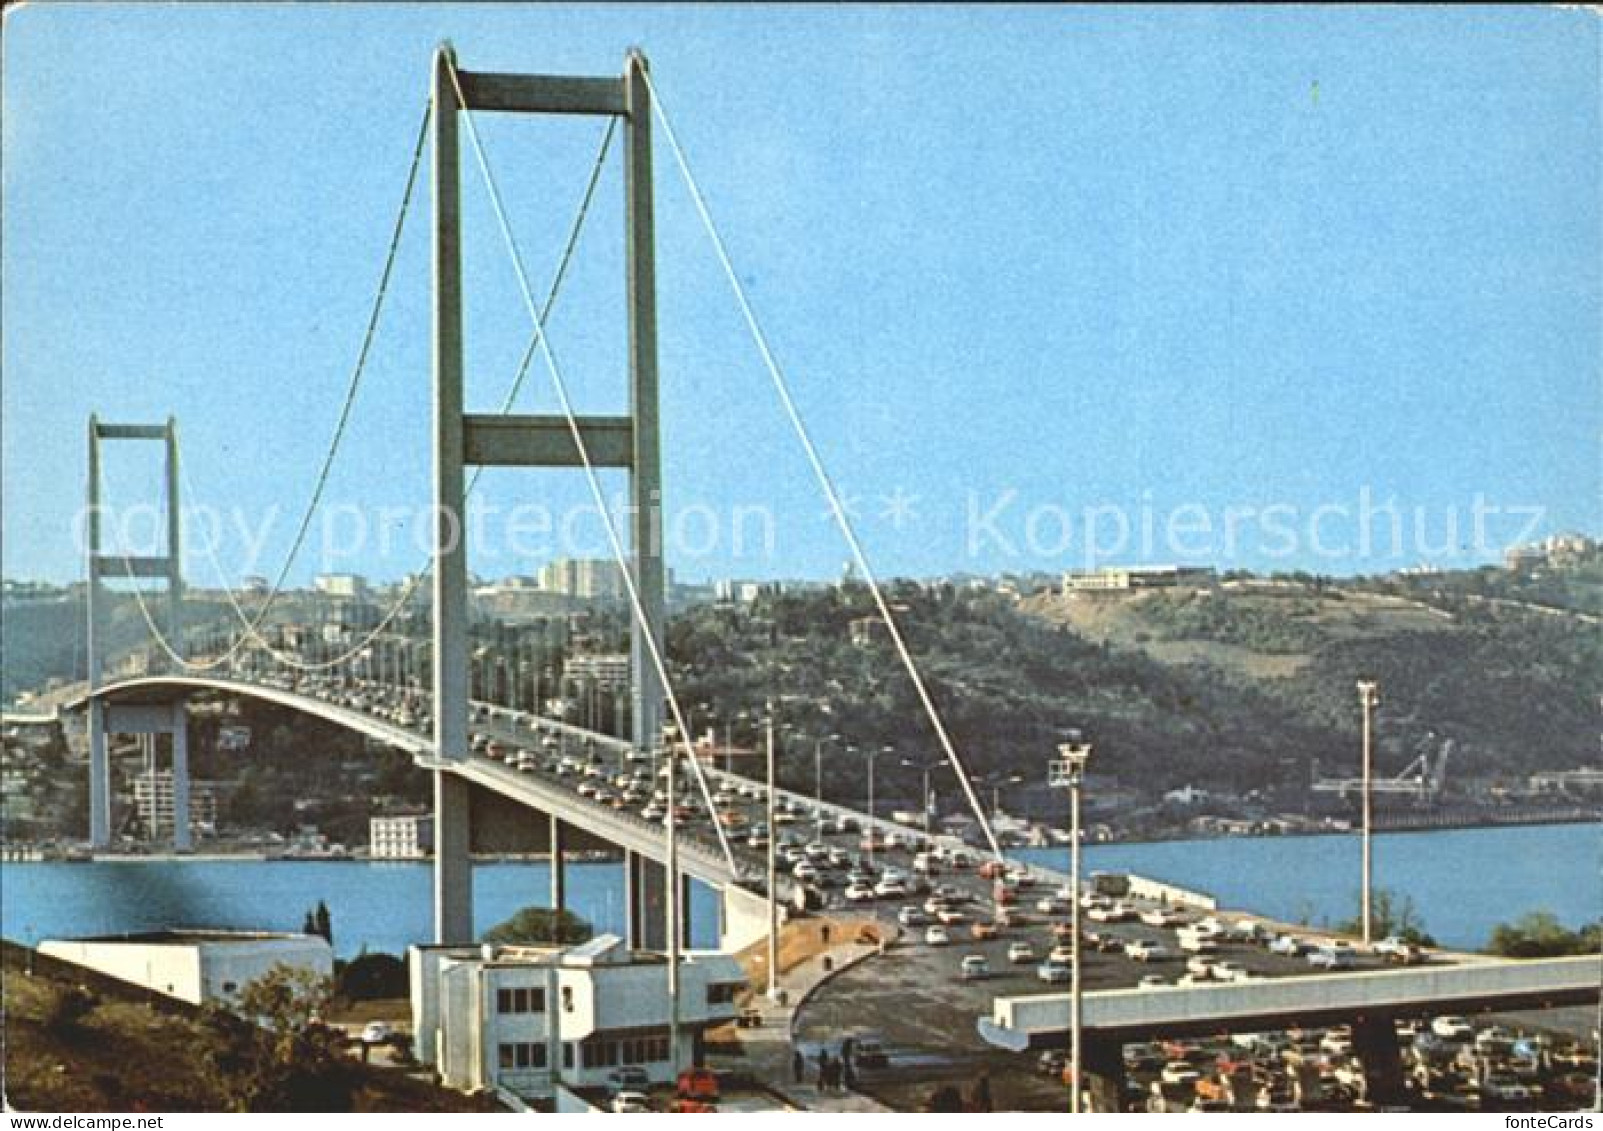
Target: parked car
628,1078
911,917
975,967
868,1051
630,1102
698,1084
1452,1028
937,936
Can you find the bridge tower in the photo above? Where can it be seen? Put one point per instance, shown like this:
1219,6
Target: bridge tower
165,567
464,439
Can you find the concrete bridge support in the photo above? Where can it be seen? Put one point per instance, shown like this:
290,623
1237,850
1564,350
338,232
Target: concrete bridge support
1102,1075
1375,1042
559,877
453,860
99,778
645,898
147,720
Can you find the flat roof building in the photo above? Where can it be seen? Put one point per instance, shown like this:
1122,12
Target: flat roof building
196,966
529,1018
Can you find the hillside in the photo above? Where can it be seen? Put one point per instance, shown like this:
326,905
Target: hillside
1236,689
78,1041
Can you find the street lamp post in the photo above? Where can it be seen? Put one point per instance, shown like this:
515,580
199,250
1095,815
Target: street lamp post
1368,698
1069,771
670,737
773,867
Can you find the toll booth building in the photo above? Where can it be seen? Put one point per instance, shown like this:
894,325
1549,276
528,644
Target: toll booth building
528,1019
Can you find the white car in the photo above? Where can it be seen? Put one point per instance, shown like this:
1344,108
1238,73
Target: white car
804,871
1201,966
859,893
890,889
951,916
1020,952
1152,981
937,936
1051,905
1452,1028
630,1102
1054,973
376,1033
975,967
1231,972
1161,917
1289,946
1145,950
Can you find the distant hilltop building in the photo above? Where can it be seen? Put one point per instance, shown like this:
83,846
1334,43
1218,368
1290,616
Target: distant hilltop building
731,591
346,586
193,965
1558,550
1125,578
589,578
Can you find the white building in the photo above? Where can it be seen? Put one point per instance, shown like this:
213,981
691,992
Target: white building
153,801
1123,578
530,1018
407,836
348,585
194,966
592,578
610,671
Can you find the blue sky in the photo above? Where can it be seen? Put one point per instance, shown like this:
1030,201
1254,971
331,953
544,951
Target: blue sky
1017,263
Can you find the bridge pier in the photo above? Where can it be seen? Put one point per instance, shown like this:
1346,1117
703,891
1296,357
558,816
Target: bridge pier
99,778
182,837
1102,1075
559,878
453,860
1375,1043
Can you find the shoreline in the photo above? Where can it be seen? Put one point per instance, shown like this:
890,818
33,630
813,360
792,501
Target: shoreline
1553,820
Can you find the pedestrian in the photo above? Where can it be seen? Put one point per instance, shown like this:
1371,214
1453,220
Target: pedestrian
834,1075
980,1097
798,1065
823,1070
847,1048
848,1076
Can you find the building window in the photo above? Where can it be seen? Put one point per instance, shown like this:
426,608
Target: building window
230,987
522,1055
721,993
520,999
567,1054
567,999
643,1050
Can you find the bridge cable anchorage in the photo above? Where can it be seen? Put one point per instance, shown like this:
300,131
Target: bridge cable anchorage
842,519
559,384
251,627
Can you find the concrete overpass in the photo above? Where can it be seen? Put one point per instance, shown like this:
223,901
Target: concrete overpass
1370,1001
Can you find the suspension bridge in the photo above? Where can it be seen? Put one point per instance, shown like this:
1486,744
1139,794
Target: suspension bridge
476,795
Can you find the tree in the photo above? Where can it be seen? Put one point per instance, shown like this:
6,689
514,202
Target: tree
319,922
536,925
372,977
1541,935
1392,914
277,1055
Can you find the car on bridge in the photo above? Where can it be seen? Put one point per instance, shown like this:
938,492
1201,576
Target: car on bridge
1145,950
1331,958
1054,972
937,936
1020,953
975,967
